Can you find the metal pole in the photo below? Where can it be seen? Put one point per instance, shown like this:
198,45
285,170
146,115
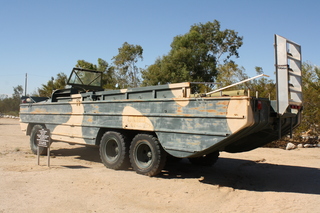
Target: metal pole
38,154
249,79
48,153
25,85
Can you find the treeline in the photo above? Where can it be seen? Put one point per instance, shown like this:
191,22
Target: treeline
10,105
311,99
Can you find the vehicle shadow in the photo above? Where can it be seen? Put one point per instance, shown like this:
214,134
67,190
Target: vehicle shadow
249,175
87,153
227,172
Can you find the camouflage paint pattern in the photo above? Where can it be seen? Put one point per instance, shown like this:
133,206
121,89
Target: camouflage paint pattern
185,126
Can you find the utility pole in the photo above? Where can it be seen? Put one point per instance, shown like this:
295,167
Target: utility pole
25,85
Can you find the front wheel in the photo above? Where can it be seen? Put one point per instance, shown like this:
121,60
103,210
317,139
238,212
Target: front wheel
146,155
34,142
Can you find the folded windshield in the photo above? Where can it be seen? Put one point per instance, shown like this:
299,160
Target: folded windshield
85,79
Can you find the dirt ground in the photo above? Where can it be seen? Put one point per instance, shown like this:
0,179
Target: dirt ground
262,180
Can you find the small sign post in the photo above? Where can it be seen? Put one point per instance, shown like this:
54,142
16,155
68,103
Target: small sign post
44,140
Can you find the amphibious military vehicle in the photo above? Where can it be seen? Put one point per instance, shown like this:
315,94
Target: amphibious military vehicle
141,126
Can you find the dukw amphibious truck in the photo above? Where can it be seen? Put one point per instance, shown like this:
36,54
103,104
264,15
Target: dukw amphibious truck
141,126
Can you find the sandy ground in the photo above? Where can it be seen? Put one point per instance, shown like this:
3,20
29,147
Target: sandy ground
262,180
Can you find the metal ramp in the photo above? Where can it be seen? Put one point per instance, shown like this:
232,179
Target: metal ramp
288,73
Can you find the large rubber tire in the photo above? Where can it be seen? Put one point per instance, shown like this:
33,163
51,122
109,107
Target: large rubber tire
114,150
205,160
146,155
34,142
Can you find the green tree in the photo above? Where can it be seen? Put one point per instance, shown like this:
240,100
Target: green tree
195,55
10,105
265,87
16,98
108,78
86,65
230,73
17,91
125,65
58,83
311,99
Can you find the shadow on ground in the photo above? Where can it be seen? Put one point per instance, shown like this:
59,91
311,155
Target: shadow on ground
87,153
249,175
228,172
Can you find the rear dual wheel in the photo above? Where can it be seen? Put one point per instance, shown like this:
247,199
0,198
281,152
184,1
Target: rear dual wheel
146,155
114,150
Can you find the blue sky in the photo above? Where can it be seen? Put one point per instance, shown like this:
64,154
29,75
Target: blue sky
43,38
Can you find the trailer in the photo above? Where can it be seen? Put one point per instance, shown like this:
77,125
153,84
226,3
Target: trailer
140,127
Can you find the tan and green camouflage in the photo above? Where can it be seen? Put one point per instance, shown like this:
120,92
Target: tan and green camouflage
185,125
